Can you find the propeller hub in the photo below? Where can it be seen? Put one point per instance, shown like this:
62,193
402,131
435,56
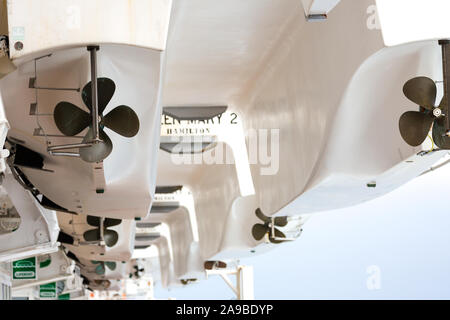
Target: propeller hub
96,141
437,112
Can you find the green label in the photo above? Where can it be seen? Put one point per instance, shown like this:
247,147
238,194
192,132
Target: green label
18,33
47,290
64,296
45,264
24,269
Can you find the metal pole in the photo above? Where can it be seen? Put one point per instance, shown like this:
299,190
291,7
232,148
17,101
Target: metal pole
446,70
69,146
65,154
102,231
95,127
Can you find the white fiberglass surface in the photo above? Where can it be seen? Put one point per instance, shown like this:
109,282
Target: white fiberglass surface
371,149
50,24
330,88
179,235
129,171
337,113
302,89
299,91
219,46
404,21
214,188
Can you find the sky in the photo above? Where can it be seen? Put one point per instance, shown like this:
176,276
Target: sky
394,247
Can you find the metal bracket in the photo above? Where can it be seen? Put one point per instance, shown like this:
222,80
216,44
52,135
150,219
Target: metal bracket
32,85
316,17
272,226
38,133
33,111
244,280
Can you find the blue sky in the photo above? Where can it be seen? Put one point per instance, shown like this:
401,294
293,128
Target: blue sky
405,234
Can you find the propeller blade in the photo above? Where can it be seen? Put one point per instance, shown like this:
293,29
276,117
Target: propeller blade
111,237
414,127
72,256
209,265
65,238
111,265
108,222
262,216
439,136
70,119
259,231
99,151
92,235
106,88
278,234
122,120
93,221
281,221
422,91
100,269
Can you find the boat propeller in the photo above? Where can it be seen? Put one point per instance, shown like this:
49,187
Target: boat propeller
259,230
415,125
71,120
109,236
138,272
102,265
105,284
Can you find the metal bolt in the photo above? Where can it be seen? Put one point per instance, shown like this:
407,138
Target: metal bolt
18,46
437,112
